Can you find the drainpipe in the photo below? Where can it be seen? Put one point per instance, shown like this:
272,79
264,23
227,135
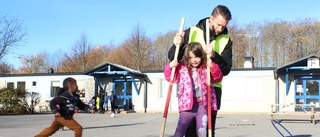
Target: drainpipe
276,77
277,95
145,96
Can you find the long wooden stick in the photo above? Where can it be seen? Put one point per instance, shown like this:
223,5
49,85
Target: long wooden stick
165,112
208,83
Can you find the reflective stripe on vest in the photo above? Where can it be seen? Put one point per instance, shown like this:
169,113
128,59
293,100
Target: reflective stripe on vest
218,45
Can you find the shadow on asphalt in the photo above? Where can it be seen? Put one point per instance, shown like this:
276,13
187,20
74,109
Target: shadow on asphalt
217,128
300,136
44,113
297,121
122,125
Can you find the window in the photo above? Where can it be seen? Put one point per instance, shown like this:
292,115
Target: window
10,85
299,87
163,88
21,85
312,87
55,86
81,87
129,88
54,91
34,83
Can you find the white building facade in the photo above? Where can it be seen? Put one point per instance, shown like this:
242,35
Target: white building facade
244,90
48,84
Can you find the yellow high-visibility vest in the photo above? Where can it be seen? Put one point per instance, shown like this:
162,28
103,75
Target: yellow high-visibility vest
218,45
98,103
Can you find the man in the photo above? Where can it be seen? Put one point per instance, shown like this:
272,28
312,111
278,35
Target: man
105,105
63,107
101,103
220,42
113,99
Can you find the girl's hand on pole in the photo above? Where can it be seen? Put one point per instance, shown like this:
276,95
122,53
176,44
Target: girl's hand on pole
209,50
178,39
209,62
173,63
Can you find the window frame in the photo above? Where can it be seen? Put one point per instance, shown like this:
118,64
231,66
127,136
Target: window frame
11,82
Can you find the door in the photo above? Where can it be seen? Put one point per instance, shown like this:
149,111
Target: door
123,90
307,92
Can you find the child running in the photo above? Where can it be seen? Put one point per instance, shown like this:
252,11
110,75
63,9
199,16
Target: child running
192,96
67,101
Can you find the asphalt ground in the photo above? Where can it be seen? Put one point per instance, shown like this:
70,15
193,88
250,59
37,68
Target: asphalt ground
148,125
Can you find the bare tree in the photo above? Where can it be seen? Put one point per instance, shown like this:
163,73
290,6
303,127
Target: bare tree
84,56
98,55
305,36
34,64
239,44
139,47
5,68
279,41
120,56
161,46
12,34
30,100
54,60
76,59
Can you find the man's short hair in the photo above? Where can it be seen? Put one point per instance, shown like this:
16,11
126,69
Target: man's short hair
223,11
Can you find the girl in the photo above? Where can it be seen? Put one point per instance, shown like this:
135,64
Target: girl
192,96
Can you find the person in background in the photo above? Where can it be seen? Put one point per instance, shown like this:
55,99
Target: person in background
92,103
113,99
101,103
97,102
105,105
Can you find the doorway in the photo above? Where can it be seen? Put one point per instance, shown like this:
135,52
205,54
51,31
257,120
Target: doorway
307,92
123,91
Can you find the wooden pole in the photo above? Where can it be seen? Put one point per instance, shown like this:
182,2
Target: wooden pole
208,83
165,112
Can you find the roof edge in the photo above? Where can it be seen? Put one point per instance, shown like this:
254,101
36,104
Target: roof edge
42,74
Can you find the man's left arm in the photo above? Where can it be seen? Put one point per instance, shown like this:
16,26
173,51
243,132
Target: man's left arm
225,59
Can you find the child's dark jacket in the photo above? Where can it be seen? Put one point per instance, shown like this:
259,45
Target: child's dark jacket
67,103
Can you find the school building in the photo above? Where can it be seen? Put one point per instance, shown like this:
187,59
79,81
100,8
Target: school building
245,90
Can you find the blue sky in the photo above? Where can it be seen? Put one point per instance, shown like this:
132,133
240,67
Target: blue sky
57,24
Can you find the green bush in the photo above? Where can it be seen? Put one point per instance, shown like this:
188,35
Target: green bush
17,101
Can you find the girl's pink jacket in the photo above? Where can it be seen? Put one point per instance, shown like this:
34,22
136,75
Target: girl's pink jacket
183,78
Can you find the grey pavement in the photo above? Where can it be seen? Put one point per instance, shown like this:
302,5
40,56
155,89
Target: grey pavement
148,125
